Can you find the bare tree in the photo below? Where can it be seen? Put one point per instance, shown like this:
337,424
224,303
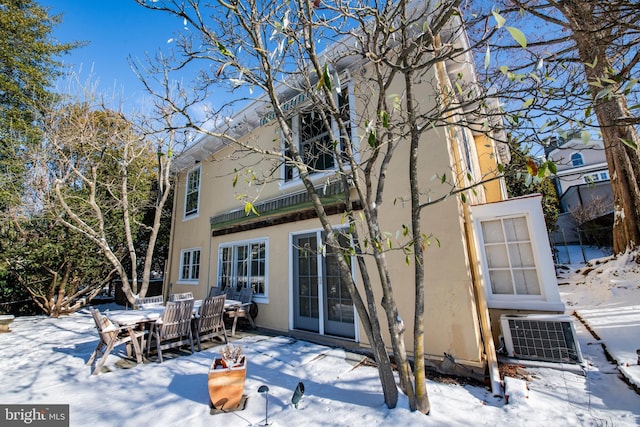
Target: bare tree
302,47
597,207
100,172
584,61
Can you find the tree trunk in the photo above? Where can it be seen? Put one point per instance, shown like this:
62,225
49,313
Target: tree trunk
422,403
370,315
372,328
620,140
624,167
371,324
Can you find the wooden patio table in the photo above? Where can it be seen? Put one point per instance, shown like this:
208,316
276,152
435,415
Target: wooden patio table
132,319
229,303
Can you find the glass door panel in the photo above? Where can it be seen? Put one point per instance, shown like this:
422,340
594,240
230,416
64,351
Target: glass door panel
305,283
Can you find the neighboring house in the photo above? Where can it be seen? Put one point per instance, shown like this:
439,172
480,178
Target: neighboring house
583,185
494,256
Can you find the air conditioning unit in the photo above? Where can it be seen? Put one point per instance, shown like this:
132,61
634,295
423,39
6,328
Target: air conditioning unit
549,338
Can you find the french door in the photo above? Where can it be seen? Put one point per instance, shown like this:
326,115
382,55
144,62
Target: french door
321,301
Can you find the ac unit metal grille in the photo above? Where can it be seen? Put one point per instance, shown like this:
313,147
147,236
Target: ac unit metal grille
540,337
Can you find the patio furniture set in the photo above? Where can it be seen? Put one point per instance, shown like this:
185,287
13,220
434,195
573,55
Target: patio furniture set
162,326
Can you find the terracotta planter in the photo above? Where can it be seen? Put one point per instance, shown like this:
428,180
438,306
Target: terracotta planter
226,384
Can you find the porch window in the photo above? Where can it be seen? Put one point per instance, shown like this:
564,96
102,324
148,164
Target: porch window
314,138
243,265
515,256
192,193
510,260
190,265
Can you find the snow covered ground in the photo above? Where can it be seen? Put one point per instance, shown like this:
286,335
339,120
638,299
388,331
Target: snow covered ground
605,294
42,361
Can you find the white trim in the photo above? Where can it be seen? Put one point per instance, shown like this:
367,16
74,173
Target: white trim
290,278
190,217
530,208
561,173
528,305
188,282
321,280
353,117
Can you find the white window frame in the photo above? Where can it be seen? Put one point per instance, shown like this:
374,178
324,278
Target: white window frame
188,192
529,208
596,177
262,298
190,280
320,175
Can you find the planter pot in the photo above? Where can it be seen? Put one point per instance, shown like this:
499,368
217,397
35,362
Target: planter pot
226,384
5,321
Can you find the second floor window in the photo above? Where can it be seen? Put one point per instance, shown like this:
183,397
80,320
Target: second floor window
510,257
315,145
314,138
192,193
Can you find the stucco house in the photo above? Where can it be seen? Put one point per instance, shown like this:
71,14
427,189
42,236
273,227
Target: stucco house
494,257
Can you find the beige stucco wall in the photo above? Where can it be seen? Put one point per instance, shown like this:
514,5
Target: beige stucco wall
451,321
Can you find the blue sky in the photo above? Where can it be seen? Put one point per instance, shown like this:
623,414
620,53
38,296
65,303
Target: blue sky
114,29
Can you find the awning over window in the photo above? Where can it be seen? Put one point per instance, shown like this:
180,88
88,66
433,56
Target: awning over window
289,208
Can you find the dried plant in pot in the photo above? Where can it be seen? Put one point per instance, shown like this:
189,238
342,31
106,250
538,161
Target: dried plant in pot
226,378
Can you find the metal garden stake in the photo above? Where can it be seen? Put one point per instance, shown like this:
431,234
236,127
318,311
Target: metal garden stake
265,390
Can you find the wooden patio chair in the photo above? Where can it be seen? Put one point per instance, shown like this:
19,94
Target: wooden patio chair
243,310
231,293
112,336
181,296
215,291
209,322
146,302
173,329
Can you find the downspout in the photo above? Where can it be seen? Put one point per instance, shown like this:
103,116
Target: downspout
480,296
209,263
481,301
167,273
